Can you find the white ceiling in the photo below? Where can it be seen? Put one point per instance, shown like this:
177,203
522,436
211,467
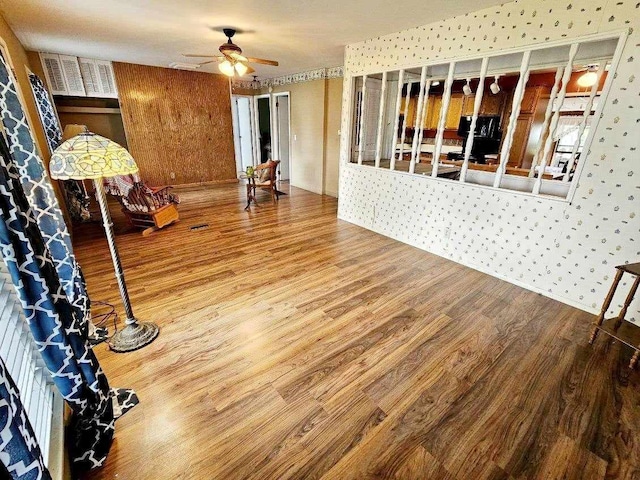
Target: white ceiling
302,35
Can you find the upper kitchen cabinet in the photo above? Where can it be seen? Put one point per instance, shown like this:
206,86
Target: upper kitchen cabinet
433,112
530,100
456,103
492,104
467,105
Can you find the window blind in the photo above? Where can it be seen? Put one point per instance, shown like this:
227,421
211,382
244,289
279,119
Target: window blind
25,365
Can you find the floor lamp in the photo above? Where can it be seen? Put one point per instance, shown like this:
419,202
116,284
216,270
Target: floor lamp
88,156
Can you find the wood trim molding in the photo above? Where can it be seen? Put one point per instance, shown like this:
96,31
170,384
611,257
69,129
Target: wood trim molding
63,109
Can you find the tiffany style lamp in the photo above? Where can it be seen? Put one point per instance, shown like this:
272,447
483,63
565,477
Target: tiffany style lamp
88,156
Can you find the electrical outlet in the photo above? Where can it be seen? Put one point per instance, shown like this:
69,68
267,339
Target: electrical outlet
172,175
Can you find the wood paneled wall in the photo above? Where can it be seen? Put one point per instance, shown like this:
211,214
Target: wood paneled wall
177,122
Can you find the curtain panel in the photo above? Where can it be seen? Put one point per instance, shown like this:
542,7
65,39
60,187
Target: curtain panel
36,247
77,201
56,325
19,450
38,189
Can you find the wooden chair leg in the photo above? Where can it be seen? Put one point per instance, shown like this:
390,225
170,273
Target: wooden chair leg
605,306
627,302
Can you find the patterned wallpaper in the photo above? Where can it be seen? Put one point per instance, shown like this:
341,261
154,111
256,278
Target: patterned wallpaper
564,250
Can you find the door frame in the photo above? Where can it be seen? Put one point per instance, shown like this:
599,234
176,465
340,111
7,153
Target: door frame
277,130
234,113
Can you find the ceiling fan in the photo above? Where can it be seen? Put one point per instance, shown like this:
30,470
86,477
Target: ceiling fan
232,61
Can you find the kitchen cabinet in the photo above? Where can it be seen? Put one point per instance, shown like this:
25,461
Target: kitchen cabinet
530,100
454,113
433,112
491,104
467,105
520,140
411,112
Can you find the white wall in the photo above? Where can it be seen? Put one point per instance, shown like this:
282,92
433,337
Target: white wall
307,138
333,113
315,123
564,250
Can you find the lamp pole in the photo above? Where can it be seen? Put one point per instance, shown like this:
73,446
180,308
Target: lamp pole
135,334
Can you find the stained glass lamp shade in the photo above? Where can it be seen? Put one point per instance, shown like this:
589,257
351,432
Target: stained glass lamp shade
90,156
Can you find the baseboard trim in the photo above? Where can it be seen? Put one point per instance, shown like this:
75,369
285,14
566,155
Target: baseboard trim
204,184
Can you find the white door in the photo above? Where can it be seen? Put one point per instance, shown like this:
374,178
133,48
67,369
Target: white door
282,122
242,132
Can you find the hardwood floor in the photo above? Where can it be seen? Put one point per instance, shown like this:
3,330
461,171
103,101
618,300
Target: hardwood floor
295,345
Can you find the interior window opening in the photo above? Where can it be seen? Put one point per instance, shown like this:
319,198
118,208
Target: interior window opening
519,121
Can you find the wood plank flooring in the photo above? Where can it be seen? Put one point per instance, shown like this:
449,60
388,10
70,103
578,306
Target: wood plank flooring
297,346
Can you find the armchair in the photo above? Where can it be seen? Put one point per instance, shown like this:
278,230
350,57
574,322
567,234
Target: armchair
266,173
151,208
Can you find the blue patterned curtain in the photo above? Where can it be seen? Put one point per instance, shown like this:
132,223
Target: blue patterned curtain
36,185
48,117
77,201
21,456
36,247
56,325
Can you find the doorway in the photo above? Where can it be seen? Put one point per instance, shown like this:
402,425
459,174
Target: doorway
241,113
282,126
262,131
264,137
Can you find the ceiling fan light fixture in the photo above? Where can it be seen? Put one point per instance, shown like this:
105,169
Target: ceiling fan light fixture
241,68
588,78
232,62
226,68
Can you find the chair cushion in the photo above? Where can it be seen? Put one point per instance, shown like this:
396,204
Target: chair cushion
264,175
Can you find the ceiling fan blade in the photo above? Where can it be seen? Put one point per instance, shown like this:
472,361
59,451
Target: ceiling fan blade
238,57
208,62
194,55
262,61
249,70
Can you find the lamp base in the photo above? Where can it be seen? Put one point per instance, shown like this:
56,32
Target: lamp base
134,336
99,335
